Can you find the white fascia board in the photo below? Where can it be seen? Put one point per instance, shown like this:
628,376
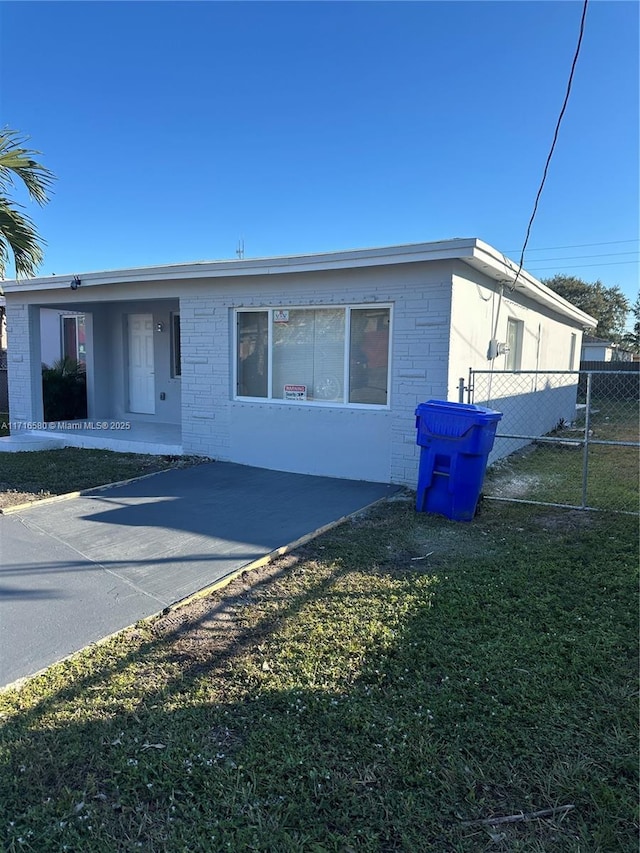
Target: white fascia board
493,263
472,251
409,253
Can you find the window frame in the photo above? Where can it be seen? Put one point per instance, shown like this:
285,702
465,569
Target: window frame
347,308
517,350
77,319
573,345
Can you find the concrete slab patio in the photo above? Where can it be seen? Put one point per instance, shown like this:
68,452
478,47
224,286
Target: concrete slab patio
75,571
138,437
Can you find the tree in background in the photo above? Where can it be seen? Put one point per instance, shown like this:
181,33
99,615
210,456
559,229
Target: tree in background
631,340
608,305
18,234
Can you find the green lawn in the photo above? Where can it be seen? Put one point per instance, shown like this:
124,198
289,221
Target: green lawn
396,679
39,474
553,472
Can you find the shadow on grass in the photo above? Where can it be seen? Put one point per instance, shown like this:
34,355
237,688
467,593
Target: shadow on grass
350,701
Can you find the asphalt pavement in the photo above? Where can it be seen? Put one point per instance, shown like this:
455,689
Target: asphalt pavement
75,571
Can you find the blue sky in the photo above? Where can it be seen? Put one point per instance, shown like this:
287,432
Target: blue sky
176,128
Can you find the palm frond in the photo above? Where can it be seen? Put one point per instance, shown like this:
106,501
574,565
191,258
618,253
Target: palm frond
17,162
18,232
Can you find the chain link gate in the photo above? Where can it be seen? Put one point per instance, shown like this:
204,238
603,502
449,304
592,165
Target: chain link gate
567,438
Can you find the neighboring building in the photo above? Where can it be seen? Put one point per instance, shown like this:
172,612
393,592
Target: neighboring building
309,363
603,349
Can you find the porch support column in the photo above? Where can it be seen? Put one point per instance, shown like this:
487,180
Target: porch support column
89,366
24,364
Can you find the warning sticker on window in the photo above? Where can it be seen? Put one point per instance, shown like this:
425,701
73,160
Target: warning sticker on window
295,392
281,316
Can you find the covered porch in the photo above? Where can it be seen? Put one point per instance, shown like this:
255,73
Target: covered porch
152,437
131,359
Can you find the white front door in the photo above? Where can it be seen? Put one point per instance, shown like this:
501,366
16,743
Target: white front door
141,370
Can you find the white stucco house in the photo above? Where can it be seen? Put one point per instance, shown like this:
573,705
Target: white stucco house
308,363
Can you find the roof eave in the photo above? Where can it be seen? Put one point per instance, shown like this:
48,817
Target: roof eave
505,271
472,251
407,253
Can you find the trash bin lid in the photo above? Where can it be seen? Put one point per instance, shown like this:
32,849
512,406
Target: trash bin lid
454,419
468,410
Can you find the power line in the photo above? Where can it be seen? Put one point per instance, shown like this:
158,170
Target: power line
581,266
579,257
577,245
555,139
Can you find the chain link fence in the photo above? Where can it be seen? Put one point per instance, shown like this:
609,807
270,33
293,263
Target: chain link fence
567,438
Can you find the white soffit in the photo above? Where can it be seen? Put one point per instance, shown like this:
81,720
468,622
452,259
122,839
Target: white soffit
494,264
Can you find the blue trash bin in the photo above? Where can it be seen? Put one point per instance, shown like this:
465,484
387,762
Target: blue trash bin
455,441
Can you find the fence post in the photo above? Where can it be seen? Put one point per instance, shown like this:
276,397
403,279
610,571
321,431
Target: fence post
461,389
470,386
585,451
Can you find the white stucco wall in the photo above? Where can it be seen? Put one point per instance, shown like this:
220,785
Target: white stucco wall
50,343
332,440
546,343
24,362
531,404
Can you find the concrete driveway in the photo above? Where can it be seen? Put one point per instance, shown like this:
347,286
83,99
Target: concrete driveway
75,571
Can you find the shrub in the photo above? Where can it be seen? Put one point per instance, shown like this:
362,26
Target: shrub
64,390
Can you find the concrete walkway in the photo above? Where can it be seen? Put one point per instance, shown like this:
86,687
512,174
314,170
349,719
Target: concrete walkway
75,571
